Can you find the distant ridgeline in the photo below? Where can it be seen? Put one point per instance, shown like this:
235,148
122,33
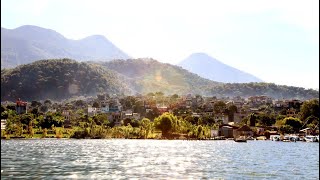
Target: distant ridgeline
28,43
64,78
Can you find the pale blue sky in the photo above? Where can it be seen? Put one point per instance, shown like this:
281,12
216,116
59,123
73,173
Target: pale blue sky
278,41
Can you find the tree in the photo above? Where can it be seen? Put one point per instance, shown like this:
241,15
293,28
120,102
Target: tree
309,108
96,105
126,121
4,114
191,119
252,119
80,103
35,104
289,124
153,113
30,129
175,96
26,119
159,94
312,122
295,123
35,111
200,134
47,102
43,108
266,120
50,119
208,120
101,119
219,107
2,108
286,129
147,126
231,110
138,107
166,123
135,123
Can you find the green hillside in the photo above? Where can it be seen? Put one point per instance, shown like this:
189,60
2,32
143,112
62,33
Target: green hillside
63,78
57,79
149,75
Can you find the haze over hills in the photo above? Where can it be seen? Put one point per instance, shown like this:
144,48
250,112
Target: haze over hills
28,43
210,68
148,75
64,78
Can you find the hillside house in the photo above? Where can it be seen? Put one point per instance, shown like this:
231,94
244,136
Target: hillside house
115,117
291,112
162,109
259,100
131,115
21,106
91,111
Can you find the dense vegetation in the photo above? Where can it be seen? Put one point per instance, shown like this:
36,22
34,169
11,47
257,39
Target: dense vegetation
64,78
57,79
268,89
36,123
150,75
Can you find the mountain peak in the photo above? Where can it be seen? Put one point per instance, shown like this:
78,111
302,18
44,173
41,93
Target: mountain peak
199,54
35,29
29,43
31,27
210,68
97,37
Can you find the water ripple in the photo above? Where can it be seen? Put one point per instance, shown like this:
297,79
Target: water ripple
157,159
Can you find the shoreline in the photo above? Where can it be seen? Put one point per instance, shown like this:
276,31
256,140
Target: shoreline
25,138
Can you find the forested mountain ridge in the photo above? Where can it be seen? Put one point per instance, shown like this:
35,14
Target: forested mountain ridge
58,79
149,75
152,76
63,78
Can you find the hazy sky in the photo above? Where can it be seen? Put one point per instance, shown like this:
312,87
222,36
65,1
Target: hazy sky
277,41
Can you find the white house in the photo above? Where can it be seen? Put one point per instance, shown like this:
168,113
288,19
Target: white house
92,111
3,124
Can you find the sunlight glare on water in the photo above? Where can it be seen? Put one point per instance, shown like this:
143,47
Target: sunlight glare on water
158,159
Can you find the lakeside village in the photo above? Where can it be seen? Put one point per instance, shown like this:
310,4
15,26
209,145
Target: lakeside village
156,116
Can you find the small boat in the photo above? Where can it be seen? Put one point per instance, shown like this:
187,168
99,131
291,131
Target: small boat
294,138
310,139
240,139
286,139
275,137
261,138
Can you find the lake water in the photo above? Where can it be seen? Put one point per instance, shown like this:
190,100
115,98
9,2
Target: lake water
158,159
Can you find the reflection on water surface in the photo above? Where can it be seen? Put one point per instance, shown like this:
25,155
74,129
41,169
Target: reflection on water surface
158,159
